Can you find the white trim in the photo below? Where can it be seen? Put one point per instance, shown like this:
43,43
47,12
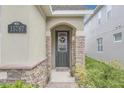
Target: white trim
117,41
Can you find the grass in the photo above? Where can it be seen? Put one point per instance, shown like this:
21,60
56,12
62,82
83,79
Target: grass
17,84
101,75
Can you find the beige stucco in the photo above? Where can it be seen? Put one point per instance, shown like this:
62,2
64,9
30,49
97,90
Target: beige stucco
22,48
76,22
37,40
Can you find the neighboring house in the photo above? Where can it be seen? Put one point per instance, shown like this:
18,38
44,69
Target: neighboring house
36,39
104,32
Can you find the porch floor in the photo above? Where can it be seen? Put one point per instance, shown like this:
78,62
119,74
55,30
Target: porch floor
61,79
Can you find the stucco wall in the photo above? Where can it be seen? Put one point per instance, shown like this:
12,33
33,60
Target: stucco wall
93,30
77,22
37,39
23,48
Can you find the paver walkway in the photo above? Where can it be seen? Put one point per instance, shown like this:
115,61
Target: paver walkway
61,79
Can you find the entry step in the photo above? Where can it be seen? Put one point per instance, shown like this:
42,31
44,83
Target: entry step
62,69
61,76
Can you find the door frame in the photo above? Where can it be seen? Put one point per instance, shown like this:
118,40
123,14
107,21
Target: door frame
69,45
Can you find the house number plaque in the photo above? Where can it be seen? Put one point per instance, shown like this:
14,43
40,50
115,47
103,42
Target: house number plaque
62,41
17,27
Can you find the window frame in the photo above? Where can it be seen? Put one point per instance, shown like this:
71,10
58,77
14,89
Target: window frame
115,37
100,44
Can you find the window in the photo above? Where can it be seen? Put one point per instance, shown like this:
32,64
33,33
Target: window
99,44
108,12
117,36
99,18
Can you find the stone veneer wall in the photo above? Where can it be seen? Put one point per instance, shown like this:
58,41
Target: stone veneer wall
80,46
77,50
37,75
48,51
73,52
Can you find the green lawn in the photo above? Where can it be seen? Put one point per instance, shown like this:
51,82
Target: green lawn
102,75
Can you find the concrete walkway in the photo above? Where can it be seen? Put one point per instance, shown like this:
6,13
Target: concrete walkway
61,79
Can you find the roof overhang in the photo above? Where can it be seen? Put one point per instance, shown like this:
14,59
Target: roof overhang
50,13
89,17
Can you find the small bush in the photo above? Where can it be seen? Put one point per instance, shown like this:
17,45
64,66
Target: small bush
80,75
17,84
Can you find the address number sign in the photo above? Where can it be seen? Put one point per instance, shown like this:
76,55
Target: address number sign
17,27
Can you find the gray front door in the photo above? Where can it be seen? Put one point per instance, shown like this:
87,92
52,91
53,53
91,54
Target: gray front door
62,49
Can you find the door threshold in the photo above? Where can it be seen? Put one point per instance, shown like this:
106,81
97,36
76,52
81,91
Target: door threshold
62,68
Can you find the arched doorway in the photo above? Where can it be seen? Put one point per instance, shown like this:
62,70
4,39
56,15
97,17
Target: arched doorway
62,45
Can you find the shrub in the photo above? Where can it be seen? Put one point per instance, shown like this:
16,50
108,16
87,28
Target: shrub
80,75
17,84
